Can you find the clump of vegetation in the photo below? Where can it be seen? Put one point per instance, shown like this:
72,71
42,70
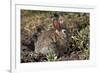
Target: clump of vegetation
81,42
52,57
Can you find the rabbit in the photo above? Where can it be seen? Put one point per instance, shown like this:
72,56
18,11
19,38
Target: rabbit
51,42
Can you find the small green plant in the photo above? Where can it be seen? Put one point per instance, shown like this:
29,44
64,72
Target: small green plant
52,57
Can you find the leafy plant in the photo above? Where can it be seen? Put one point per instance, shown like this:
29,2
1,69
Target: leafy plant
81,41
52,57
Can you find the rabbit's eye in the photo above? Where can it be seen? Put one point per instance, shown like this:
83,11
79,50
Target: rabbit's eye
63,31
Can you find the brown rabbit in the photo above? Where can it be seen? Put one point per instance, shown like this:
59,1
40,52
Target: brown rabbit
51,41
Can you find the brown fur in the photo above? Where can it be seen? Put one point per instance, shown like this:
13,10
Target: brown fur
51,42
